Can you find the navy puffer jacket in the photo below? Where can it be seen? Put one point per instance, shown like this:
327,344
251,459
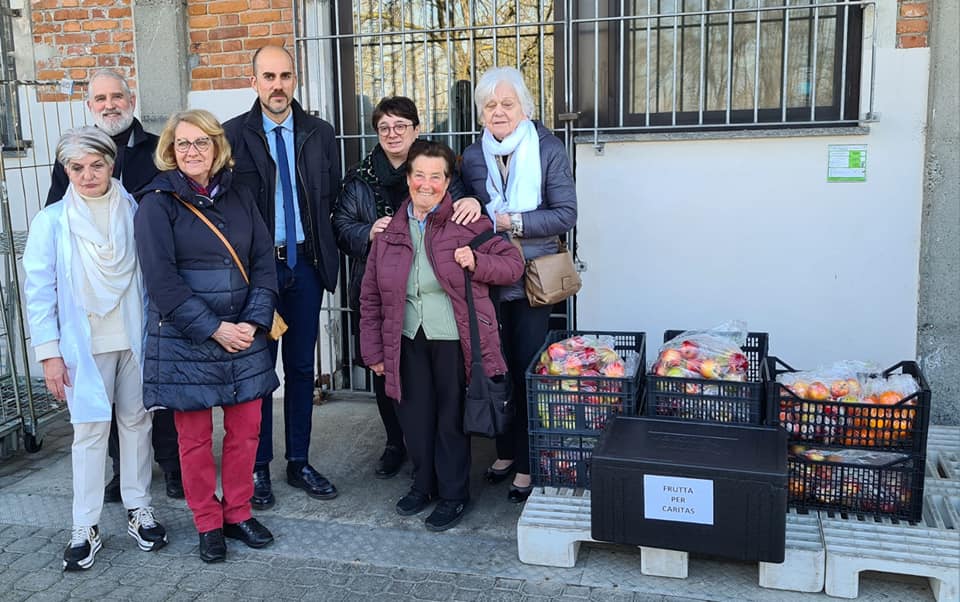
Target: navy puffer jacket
193,284
557,213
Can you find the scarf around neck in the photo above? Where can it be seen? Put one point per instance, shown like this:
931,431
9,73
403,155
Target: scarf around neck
389,184
105,265
523,187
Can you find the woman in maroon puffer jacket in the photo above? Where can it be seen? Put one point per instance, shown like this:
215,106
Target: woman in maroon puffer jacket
415,327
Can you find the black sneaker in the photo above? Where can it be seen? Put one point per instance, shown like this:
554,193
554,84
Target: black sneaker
111,493
141,525
447,514
413,503
83,547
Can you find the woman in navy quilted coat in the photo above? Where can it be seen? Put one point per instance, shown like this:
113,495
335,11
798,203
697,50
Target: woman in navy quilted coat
206,340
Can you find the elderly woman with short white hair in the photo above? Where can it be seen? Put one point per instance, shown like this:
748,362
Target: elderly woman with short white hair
85,309
521,172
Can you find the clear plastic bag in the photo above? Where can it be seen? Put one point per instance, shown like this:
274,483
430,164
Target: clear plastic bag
716,353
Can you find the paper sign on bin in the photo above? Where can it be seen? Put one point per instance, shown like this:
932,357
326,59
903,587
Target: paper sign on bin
678,499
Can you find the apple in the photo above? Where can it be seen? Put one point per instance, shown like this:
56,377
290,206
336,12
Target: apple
554,368
839,389
709,368
818,391
615,369
689,349
675,372
738,363
799,389
557,351
671,357
693,365
853,386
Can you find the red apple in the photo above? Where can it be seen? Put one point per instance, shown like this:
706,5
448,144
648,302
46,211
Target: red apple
738,363
671,357
709,369
689,349
557,351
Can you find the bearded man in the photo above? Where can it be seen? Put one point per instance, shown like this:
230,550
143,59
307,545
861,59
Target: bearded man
111,104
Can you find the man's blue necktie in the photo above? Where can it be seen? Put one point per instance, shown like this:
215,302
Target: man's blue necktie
286,188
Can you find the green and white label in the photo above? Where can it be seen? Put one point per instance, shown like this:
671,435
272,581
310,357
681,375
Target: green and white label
847,163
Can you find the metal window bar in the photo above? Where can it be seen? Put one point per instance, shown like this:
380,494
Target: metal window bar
817,52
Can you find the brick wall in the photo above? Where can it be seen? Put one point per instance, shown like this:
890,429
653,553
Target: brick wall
82,36
225,33
913,23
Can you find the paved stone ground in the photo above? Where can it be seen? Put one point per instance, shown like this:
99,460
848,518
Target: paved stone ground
352,548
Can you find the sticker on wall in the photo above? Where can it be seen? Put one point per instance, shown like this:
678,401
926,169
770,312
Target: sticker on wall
846,163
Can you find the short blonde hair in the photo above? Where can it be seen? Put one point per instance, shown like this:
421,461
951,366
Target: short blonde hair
165,157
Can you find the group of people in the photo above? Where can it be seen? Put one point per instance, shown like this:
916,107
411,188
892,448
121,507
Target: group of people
156,270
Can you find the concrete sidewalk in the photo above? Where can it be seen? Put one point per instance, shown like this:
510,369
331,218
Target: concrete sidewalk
354,547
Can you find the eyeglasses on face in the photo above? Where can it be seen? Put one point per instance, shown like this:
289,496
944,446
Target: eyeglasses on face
201,144
398,128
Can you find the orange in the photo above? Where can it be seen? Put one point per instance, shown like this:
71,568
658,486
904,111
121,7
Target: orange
889,398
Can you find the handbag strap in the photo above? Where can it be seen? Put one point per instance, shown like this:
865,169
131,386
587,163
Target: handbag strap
223,239
476,355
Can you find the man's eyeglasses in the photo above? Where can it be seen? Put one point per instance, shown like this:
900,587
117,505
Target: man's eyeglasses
398,129
201,144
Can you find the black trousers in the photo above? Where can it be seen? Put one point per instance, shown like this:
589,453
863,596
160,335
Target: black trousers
433,380
166,453
523,330
388,412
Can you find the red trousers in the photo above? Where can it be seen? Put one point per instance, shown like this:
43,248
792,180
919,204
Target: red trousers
241,425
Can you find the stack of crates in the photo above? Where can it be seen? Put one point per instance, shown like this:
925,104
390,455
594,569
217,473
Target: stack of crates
858,458
567,413
707,400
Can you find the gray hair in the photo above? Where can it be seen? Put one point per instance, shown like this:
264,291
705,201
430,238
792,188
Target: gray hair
77,143
112,75
503,75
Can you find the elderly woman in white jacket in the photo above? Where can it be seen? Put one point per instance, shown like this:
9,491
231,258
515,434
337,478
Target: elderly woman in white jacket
85,308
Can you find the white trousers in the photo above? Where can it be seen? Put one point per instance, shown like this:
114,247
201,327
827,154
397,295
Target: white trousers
121,379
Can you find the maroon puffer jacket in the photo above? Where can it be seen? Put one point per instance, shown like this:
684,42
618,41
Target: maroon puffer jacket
384,289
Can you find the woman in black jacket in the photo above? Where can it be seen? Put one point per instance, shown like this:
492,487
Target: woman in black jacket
206,323
372,191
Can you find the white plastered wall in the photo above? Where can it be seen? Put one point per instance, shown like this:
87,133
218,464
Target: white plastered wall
684,234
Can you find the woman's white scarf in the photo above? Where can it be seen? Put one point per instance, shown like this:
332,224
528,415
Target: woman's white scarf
523,191
104,266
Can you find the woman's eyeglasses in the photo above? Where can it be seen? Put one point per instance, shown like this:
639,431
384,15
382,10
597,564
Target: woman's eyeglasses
201,144
397,128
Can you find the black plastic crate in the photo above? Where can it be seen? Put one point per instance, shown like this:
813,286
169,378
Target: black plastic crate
901,427
583,404
715,489
893,489
561,460
706,400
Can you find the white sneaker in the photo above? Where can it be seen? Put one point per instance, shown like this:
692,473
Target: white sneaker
142,526
83,547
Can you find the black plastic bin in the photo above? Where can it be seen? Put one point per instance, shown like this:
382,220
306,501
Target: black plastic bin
706,400
561,460
694,487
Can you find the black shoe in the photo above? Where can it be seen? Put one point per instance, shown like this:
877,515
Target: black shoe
262,489
250,532
413,503
518,495
212,546
496,475
174,483
307,478
111,493
390,462
82,549
447,514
